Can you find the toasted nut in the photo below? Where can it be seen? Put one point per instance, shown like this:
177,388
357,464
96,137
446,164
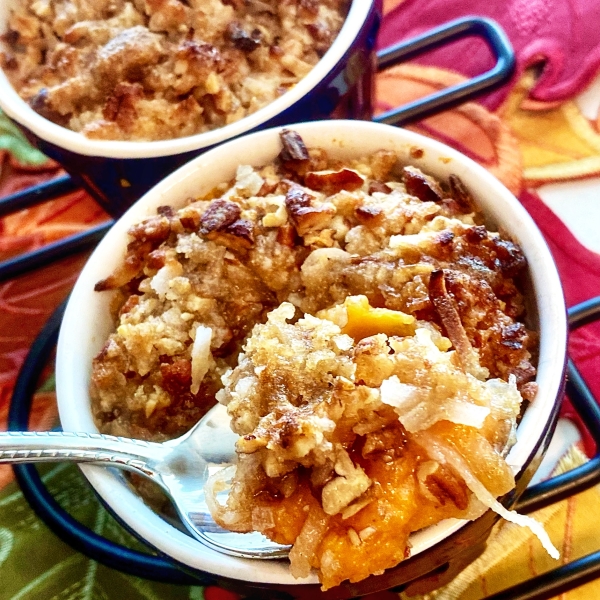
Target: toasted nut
219,215
422,186
332,182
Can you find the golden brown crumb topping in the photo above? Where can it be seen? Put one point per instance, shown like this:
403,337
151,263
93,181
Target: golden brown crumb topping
161,69
327,411
365,330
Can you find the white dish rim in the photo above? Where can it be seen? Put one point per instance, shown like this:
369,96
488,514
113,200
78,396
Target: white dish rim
72,370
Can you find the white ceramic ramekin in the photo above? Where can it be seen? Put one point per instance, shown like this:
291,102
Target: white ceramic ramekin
87,322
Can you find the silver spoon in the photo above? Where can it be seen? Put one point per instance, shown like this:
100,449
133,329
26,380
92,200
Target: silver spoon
180,467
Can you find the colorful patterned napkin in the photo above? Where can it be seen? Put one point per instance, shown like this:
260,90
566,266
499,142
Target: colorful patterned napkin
535,135
560,38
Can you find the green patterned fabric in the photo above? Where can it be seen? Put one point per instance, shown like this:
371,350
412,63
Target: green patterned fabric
13,140
36,565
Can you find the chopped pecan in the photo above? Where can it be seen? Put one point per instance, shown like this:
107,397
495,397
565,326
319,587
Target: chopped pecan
369,215
444,485
200,55
509,257
242,228
197,61
247,42
295,199
293,146
317,161
460,193
476,234
332,182
219,214
157,259
233,242
166,211
154,230
120,105
378,186
132,301
450,318
41,104
305,217
268,187
286,235
11,37
176,377
124,273
524,371
390,440
311,218
189,218
513,336
422,186
529,390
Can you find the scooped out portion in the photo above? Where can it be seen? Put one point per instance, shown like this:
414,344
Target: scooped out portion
366,331
349,444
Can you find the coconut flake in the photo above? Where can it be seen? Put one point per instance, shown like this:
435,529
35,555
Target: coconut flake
218,482
307,542
400,396
418,411
248,180
161,282
462,412
201,357
442,453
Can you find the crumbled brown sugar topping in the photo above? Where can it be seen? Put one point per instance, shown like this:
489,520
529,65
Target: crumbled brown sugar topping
350,325
161,69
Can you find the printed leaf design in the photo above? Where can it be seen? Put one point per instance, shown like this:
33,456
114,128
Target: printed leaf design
558,143
14,141
560,37
36,565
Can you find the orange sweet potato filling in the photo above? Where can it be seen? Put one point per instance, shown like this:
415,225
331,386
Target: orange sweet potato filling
376,537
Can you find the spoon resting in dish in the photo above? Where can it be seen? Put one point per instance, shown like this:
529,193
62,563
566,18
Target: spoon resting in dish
180,467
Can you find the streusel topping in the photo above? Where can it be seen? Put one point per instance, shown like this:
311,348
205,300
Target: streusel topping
365,330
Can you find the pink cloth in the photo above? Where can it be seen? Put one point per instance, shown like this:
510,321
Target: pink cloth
579,270
563,34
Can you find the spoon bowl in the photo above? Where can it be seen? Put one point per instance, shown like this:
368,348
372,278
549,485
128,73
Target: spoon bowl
181,467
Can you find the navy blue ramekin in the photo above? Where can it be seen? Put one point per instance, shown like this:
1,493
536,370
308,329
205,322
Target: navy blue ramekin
117,173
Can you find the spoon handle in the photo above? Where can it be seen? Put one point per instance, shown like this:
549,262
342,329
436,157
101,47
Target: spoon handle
58,446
